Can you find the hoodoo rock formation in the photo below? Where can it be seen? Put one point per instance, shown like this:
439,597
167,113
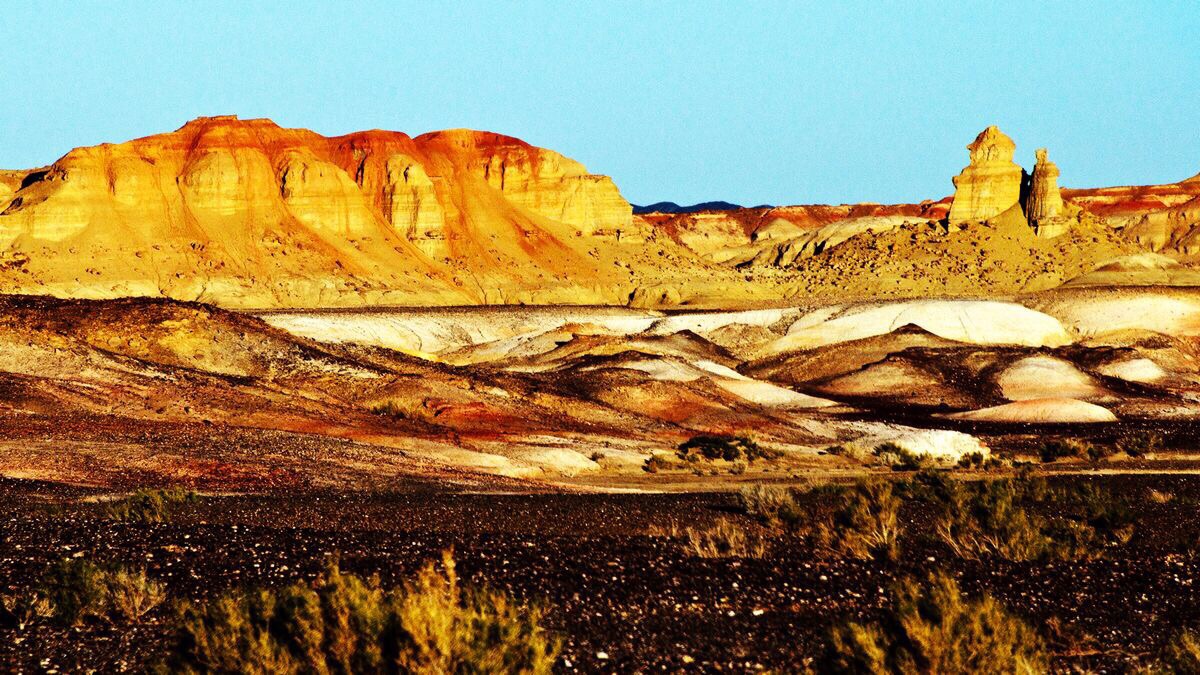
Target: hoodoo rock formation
1044,205
991,183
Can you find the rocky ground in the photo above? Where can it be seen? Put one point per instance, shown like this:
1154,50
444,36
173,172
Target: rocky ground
622,599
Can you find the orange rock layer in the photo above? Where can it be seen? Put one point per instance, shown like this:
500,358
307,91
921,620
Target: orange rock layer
245,213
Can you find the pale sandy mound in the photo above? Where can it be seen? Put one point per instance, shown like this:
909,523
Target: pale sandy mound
1048,410
1096,312
984,322
846,357
765,394
895,379
1134,370
1142,269
941,445
1037,377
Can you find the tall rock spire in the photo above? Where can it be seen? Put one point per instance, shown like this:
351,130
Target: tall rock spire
1045,200
991,183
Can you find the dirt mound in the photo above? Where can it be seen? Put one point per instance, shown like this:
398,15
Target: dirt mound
1045,410
999,257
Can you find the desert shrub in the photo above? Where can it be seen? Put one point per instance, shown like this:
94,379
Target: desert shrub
987,518
20,610
901,459
1160,496
971,460
932,628
771,504
149,506
345,624
77,590
725,538
1061,448
389,408
1182,654
728,448
996,518
656,463
1139,443
864,522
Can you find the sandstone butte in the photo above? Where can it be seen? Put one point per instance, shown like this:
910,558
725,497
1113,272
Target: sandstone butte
246,214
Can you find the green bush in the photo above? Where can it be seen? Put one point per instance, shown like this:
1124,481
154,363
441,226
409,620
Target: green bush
149,506
344,624
77,590
932,628
996,518
727,448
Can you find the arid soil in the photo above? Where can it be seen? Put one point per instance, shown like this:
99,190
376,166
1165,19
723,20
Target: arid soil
621,599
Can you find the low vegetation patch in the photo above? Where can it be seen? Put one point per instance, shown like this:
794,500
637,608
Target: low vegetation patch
20,610
342,623
149,506
76,590
1182,654
725,538
932,628
389,408
1140,443
901,459
726,448
998,518
656,463
864,522
771,504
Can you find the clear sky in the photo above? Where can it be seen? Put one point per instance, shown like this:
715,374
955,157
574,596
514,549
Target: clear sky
793,102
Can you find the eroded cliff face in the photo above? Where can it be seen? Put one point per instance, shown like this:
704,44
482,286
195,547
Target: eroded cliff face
245,213
991,183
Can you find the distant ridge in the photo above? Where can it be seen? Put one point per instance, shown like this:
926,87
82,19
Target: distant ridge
672,207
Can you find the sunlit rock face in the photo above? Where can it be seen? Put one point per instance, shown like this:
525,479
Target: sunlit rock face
991,183
1045,200
1044,205
246,213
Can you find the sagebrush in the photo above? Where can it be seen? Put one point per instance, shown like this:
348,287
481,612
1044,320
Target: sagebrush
343,623
933,628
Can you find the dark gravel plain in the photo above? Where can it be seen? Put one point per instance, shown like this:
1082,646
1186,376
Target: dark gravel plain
622,600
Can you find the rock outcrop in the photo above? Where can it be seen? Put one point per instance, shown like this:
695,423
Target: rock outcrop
991,183
1044,204
244,213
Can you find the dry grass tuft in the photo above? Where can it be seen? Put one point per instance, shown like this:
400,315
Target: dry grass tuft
864,524
79,590
932,628
723,539
344,624
149,506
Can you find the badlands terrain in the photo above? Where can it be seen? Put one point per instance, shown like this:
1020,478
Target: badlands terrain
381,346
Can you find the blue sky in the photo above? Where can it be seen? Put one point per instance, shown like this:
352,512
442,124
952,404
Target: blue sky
752,102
